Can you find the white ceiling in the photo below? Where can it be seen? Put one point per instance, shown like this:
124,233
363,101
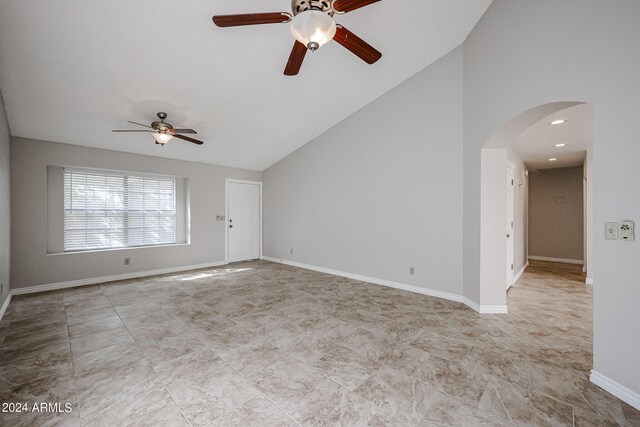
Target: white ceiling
71,71
536,144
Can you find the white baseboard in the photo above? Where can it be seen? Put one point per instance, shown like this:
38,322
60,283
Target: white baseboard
5,304
519,274
551,259
389,283
485,309
617,389
117,277
589,281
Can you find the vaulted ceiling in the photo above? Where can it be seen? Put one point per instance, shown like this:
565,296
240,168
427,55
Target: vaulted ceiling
71,71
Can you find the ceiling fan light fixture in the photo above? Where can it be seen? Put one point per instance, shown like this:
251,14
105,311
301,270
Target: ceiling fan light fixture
162,137
313,28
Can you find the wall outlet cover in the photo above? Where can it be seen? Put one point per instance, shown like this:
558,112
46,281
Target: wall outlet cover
627,231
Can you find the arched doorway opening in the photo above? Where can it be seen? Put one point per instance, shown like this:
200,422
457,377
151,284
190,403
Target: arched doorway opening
504,237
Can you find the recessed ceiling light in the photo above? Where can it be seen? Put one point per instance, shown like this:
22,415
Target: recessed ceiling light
558,122
560,145
553,159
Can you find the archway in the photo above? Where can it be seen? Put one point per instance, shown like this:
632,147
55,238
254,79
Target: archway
493,209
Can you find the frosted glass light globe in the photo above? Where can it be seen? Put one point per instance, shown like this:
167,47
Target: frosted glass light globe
162,138
313,28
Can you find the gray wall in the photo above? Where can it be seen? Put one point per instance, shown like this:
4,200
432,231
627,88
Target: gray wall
30,264
523,54
556,229
381,191
5,204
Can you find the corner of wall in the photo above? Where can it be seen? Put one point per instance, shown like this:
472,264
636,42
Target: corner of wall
5,208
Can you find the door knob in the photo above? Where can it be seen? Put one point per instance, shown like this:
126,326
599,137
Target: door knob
508,235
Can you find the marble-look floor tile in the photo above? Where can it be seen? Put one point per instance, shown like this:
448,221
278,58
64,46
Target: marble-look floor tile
34,321
254,356
55,389
257,412
448,411
383,419
166,348
136,309
88,343
226,340
82,313
106,385
631,414
145,404
194,365
574,388
205,399
455,379
115,357
330,404
38,366
285,380
93,326
523,407
218,339
402,395
583,418
14,349
346,367
260,323
443,346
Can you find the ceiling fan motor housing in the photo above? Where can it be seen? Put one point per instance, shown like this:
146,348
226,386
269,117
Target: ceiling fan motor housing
298,6
161,125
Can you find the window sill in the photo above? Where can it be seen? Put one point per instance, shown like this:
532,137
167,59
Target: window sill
117,249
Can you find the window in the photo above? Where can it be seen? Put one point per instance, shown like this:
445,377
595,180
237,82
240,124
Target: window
105,210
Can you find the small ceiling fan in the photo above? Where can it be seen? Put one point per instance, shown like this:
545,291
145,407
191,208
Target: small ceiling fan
312,25
162,131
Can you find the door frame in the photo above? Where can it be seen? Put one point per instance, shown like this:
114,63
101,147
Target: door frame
226,212
511,171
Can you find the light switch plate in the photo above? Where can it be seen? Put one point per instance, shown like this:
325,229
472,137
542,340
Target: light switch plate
611,230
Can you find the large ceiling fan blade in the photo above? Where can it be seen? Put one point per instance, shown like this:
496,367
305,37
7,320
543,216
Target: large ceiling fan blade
184,131
349,5
295,59
139,124
131,130
251,19
356,45
186,138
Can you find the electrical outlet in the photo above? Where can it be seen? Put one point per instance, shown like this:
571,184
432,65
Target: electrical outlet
411,271
291,251
127,261
627,231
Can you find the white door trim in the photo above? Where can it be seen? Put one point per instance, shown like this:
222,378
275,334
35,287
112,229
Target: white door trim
511,171
226,212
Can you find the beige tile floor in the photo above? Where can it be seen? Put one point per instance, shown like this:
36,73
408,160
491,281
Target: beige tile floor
258,343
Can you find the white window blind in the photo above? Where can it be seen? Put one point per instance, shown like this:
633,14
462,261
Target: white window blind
105,209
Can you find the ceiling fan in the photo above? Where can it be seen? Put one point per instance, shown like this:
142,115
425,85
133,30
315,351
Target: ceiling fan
162,131
312,25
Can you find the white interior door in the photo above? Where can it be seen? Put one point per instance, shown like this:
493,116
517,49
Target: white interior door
243,221
510,225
